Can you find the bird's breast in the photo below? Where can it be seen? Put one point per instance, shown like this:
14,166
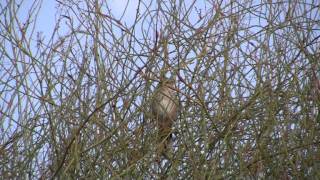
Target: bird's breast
166,107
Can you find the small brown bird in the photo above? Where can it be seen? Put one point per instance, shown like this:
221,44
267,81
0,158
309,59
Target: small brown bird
165,109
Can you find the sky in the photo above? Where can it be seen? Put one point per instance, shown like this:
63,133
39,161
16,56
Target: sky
47,14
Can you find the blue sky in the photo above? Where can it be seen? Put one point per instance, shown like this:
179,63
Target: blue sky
47,15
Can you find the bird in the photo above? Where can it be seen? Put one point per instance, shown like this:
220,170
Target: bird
165,110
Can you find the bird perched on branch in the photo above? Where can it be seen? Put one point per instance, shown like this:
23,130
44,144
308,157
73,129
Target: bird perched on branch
165,110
